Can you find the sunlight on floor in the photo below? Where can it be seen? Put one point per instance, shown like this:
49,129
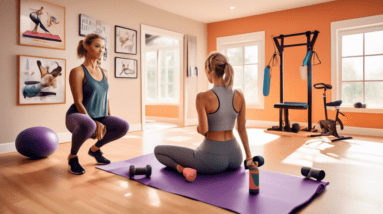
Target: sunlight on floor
123,184
351,152
131,136
179,138
153,197
158,126
257,136
152,136
151,141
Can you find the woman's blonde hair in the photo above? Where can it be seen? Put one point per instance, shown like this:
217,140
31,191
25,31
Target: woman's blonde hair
218,63
81,51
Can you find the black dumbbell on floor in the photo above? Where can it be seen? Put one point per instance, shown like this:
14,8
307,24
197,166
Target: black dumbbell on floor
140,171
259,159
314,173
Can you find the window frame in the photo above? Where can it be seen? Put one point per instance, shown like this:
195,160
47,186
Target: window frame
339,29
157,49
255,38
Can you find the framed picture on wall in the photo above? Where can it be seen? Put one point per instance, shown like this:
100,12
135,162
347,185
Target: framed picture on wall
90,25
41,24
125,68
41,80
126,40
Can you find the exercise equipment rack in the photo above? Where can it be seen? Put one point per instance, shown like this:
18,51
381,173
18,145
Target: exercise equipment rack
295,105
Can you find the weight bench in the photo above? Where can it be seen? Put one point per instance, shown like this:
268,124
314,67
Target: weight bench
286,106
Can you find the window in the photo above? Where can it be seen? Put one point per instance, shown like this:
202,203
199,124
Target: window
244,59
246,54
358,70
162,64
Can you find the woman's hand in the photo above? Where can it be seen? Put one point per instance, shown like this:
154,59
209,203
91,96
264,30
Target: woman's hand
250,163
100,130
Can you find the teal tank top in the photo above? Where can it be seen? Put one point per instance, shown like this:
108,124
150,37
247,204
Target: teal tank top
95,96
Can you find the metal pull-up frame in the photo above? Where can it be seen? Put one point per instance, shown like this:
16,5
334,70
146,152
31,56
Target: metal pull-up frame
292,105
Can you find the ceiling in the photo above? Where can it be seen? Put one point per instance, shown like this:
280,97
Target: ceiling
208,11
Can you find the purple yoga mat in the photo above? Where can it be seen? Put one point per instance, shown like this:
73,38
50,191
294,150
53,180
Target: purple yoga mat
279,193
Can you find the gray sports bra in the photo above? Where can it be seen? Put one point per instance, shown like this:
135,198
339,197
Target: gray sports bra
224,118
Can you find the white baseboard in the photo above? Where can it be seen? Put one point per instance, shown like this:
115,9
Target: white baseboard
163,119
63,138
135,127
347,129
192,122
7,147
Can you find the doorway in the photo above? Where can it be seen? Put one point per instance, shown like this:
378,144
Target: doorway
162,78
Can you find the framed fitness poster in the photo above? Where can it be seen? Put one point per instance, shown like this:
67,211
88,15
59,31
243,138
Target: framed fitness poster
90,25
125,68
41,80
41,24
126,40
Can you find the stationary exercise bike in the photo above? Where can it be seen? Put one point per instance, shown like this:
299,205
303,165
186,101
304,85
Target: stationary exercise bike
328,126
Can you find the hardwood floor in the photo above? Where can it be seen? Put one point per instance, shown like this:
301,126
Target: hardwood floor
354,169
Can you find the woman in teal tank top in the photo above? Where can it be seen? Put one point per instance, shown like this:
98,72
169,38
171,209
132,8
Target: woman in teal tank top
89,115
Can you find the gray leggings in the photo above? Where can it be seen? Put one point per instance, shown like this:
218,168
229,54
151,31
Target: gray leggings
211,157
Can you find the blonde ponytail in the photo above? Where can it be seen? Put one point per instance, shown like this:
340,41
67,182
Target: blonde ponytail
229,76
217,62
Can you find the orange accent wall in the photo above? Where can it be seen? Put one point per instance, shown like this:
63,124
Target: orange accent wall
310,18
162,111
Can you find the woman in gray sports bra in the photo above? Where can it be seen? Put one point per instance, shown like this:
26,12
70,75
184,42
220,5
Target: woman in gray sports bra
217,110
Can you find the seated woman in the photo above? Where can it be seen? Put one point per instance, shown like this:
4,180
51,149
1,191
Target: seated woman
217,110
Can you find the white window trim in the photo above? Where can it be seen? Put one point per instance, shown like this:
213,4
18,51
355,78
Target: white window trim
161,48
337,28
258,37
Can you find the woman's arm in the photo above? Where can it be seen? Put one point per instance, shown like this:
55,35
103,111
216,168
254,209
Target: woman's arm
202,127
76,78
106,73
109,108
241,126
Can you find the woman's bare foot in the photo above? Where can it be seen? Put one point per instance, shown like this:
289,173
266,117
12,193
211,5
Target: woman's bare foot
180,169
190,174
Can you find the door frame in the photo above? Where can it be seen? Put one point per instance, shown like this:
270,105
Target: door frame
145,29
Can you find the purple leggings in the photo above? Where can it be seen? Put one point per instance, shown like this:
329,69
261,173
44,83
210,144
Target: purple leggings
82,126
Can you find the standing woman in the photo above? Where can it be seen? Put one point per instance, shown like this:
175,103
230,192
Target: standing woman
217,111
90,112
